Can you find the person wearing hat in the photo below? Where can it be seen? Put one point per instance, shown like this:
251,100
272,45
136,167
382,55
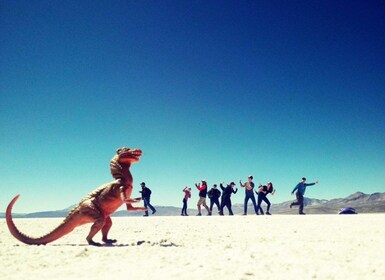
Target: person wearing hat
146,194
249,194
214,195
300,188
226,197
202,197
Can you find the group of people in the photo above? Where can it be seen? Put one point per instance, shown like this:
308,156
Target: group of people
263,190
120,172
214,194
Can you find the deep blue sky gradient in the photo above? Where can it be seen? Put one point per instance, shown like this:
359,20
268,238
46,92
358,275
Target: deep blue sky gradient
208,89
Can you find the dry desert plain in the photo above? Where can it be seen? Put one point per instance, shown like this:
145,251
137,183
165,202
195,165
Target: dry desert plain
228,247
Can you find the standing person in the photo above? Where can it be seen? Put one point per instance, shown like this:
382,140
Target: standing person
249,194
202,197
214,195
226,197
187,195
301,188
146,194
262,195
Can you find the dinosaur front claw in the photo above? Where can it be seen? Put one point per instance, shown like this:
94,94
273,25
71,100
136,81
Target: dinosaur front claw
133,200
140,209
132,208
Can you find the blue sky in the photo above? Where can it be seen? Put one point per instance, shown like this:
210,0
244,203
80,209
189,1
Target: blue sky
213,90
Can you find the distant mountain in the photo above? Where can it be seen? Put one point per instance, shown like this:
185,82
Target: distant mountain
363,203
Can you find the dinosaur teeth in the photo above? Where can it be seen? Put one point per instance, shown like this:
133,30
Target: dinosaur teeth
132,153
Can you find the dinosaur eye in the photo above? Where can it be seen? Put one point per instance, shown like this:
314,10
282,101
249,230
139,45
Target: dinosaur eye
121,150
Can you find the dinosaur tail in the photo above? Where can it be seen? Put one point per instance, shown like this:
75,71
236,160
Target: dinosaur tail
64,228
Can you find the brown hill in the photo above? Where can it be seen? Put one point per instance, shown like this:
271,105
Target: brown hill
363,203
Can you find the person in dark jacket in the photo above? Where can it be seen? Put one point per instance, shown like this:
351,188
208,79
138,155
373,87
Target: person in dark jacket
146,194
214,195
202,197
301,188
263,191
226,197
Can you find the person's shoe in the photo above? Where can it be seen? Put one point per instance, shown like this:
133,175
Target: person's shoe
220,214
182,214
268,213
302,213
185,214
145,215
291,205
244,214
209,214
153,212
199,214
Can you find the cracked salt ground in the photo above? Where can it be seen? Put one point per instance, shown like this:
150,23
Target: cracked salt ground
215,247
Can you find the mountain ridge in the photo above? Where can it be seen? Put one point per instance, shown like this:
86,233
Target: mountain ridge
363,203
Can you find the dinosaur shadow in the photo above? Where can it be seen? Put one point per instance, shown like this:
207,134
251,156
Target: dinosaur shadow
87,245
101,245
161,243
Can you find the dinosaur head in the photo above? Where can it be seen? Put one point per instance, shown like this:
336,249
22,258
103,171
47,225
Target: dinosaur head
127,155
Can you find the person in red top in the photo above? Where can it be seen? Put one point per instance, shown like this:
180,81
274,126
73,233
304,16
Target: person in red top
187,195
202,197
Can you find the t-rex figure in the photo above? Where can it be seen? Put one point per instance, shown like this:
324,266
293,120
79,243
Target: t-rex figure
95,208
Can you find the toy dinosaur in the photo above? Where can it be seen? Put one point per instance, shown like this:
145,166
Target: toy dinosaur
95,208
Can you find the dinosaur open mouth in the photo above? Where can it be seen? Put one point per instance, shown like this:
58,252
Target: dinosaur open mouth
136,154
132,154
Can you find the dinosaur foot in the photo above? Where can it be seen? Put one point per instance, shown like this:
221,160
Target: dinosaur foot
109,241
93,243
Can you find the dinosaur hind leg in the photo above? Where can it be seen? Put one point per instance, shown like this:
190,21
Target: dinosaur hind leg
95,228
106,229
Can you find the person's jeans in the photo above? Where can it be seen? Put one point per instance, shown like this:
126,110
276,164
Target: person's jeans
147,204
184,208
262,197
216,202
299,202
226,202
252,197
